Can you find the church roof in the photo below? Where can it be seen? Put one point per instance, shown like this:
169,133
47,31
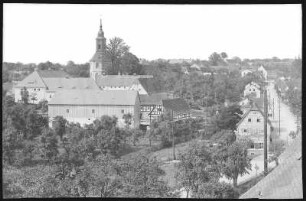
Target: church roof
153,99
177,105
116,81
52,73
94,97
54,84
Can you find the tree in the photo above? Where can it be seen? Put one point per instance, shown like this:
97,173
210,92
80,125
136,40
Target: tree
116,48
214,59
141,178
24,95
223,55
59,126
49,144
224,137
110,141
233,161
43,106
216,190
196,167
229,117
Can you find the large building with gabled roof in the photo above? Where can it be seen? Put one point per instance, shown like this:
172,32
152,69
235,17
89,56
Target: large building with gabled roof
85,105
42,85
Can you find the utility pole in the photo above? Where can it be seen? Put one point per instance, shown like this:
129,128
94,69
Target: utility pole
279,116
265,133
173,145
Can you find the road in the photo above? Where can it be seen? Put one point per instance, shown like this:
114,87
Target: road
287,119
287,124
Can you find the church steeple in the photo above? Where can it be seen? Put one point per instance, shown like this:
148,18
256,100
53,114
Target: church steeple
99,62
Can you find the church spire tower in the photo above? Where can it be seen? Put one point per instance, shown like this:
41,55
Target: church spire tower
99,62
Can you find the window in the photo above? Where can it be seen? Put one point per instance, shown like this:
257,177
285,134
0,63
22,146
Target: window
245,130
93,111
258,120
252,145
249,120
50,96
122,111
38,89
67,110
99,46
34,89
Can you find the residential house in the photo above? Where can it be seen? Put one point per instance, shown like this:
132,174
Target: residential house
263,71
252,89
36,86
178,108
245,72
195,67
86,105
251,126
151,107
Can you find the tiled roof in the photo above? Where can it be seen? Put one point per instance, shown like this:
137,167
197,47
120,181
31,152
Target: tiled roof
52,74
94,97
116,81
153,99
254,107
177,105
150,86
285,181
54,84
32,81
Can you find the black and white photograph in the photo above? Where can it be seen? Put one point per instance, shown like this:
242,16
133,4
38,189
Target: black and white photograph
152,101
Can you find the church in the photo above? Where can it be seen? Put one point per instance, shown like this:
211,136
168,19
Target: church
82,100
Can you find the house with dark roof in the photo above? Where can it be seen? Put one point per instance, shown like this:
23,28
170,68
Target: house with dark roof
285,180
42,85
151,107
178,108
85,105
251,126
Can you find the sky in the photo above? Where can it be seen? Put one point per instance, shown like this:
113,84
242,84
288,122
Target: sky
35,33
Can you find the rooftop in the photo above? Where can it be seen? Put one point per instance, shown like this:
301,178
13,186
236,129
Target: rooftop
153,99
285,181
52,74
177,105
94,97
70,83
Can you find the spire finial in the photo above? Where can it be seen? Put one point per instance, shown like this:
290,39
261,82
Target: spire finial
100,24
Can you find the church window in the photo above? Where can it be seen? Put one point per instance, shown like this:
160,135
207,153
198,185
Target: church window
99,46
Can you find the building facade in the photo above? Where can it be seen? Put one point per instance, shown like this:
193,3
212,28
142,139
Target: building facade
251,126
84,106
252,89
